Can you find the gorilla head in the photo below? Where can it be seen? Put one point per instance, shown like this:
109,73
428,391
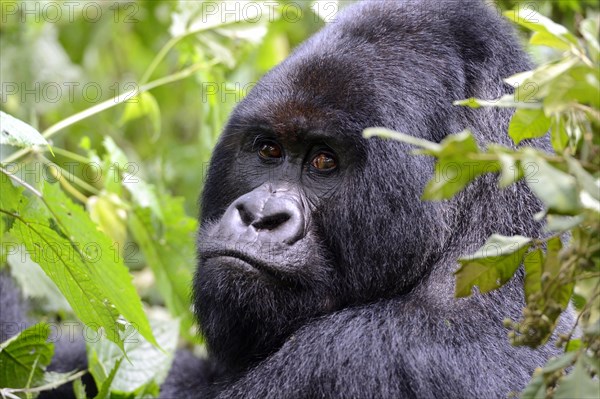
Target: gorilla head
301,215
308,229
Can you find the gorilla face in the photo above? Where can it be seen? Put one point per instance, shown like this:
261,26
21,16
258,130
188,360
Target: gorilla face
294,208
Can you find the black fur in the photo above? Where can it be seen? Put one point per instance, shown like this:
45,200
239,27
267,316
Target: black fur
367,309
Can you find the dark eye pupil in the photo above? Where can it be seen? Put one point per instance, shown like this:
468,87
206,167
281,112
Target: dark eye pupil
323,162
269,151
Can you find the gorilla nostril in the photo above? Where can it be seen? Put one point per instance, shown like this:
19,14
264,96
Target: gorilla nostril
246,216
271,222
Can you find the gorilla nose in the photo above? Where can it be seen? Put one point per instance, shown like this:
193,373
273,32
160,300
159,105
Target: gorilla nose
274,216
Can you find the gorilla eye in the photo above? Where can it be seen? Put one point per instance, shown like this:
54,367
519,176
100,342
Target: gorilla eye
270,151
324,162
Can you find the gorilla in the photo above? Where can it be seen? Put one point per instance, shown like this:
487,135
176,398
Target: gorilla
321,273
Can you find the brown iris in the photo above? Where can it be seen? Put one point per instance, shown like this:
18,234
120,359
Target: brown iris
323,162
270,151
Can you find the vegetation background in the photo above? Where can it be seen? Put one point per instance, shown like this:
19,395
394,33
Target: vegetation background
130,98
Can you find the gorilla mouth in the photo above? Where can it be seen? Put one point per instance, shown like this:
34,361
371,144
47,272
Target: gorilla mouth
242,261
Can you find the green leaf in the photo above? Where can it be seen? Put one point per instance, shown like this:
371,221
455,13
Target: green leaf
557,190
549,40
18,133
34,283
24,357
580,84
454,170
511,170
555,290
534,85
146,364
107,211
12,195
559,136
558,223
68,268
527,124
573,345
87,271
79,389
533,274
560,362
538,23
578,384
168,248
590,29
104,391
492,265
143,105
584,179
107,270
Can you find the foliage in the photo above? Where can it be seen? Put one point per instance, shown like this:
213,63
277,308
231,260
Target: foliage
562,95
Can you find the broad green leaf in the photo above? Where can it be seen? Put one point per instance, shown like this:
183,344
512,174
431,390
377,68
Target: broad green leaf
93,280
492,265
580,84
533,85
107,269
538,23
34,283
168,248
557,190
578,384
527,124
18,133
549,40
558,223
12,195
60,259
585,180
68,268
453,169
24,357
146,364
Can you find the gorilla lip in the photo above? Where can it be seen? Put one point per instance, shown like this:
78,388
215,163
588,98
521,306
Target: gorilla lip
250,262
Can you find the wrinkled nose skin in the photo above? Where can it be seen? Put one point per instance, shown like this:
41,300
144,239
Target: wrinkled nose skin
265,215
